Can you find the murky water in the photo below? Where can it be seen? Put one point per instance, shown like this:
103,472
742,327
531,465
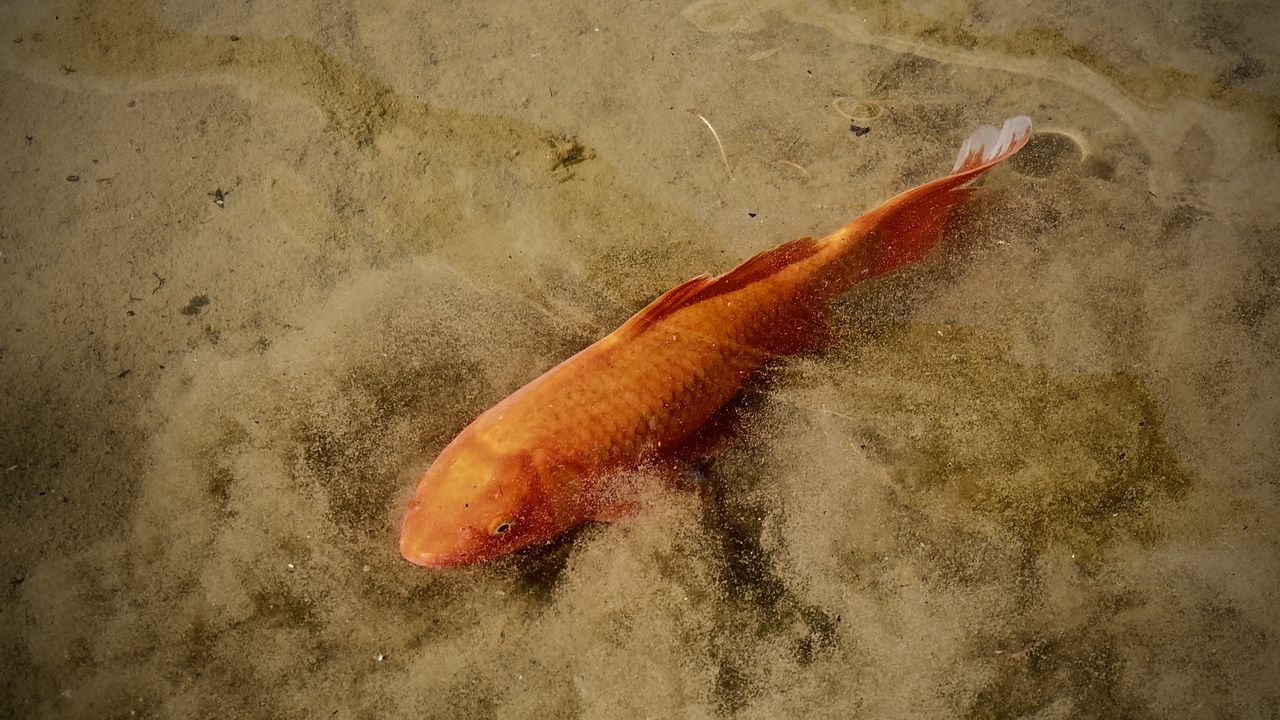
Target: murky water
260,263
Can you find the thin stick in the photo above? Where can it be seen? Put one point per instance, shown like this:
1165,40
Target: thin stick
798,167
723,157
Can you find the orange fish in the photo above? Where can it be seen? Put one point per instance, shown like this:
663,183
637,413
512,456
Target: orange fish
545,459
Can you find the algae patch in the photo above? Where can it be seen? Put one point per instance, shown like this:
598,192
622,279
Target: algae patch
971,435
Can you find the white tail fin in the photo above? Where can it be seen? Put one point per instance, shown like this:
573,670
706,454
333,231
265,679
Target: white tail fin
988,145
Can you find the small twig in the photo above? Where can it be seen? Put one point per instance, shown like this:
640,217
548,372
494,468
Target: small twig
798,167
723,157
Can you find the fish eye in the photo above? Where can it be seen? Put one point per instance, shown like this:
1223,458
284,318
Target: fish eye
500,527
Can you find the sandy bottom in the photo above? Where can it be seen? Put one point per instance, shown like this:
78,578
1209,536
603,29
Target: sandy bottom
260,261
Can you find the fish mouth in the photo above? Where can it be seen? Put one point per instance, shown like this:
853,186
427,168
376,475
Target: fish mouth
415,553
424,559
426,549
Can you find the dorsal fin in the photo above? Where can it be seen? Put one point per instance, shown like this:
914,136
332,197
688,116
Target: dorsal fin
667,303
759,267
703,287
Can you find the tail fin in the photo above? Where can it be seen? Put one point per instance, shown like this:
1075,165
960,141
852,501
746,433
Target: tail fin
904,228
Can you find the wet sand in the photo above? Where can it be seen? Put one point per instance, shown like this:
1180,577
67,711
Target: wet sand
260,264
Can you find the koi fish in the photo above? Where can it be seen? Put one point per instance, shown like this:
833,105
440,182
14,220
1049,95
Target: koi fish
544,460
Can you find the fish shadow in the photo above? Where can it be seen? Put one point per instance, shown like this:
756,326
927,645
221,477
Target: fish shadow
540,568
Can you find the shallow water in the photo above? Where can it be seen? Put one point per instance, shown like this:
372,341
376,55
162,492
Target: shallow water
261,264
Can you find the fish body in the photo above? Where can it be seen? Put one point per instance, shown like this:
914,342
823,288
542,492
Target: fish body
542,461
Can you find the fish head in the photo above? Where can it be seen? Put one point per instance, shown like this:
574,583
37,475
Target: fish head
474,503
